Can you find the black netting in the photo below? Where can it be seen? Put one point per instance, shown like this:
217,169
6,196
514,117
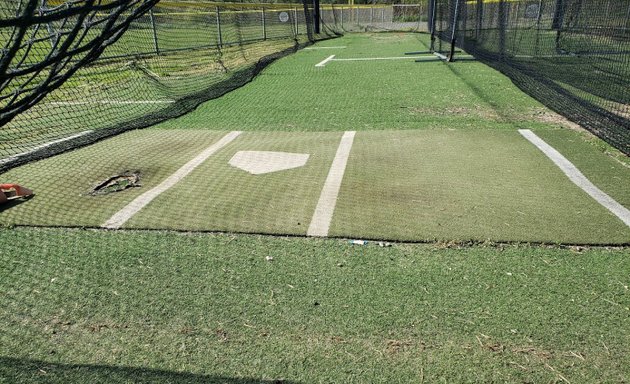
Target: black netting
75,71
572,55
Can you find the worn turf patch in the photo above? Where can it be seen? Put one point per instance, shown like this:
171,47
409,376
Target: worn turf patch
455,185
65,185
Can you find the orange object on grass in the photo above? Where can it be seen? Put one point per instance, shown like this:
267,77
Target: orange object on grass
13,191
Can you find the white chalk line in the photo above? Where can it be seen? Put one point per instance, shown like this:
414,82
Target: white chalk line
316,48
441,56
112,102
376,58
326,60
322,217
577,177
14,157
122,216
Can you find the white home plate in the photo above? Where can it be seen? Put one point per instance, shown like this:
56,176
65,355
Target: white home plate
260,162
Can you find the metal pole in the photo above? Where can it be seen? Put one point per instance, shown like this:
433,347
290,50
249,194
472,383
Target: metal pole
295,16
538,18
155,37
502,26
433,6
371,15
316,16
454,31
383,14
220,38
479,19
264,24
342,18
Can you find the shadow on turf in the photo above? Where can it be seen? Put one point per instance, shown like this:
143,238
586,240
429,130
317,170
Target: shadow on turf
34,371
12,203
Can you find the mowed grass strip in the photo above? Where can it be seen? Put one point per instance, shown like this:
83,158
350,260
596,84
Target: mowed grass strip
62,184
294,95
220,197
457,185
167,307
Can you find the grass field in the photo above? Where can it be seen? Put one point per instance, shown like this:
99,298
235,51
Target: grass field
93,306
437,158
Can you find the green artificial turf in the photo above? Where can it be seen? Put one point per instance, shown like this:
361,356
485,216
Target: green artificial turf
219,197
464,174
62,184
97,306
484,185
294,95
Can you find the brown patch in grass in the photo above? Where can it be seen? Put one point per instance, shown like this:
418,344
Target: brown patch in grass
397,346
544,115
222,335
483,113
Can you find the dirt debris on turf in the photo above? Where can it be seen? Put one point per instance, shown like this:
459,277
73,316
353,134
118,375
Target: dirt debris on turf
117,183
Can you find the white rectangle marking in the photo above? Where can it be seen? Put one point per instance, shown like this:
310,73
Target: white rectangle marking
577,177
122,216
322,63
322,217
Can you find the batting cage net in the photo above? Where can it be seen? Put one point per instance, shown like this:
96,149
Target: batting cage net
76,71
572,55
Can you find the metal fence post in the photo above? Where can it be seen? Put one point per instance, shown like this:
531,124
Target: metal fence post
538,18
479,19
371,15
502,27
155,37
297,25
383,14
342,17
264,24
220,38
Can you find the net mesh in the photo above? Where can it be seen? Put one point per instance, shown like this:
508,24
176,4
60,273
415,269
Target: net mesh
572,55
126,64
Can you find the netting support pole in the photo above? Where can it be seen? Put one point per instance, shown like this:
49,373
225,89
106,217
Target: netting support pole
342,18
558,22
371,15
502,27
538,19
316,17
479,21
219,37
432,11
454,31
297,25
155,36
383,15
264,24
